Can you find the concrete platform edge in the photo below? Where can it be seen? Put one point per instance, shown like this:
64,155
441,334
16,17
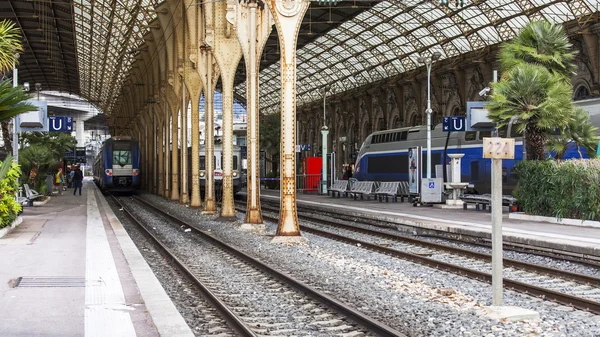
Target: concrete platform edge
4,231
166,317
563,221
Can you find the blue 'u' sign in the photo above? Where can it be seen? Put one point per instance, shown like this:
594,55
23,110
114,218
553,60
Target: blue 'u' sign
454,123
60,124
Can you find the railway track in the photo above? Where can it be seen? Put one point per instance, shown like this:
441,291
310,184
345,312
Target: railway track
589,260
299,308
570,289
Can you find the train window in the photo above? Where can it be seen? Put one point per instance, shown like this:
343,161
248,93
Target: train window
483,134
235,163
202,163
502,131
403,135
470,135
474,170
388,164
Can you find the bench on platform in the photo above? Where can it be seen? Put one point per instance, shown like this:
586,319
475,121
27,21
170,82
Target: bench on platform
30,194
404,191
483,201
387,189
339,187
362,188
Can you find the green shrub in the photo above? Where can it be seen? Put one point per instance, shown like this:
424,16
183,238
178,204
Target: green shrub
9,207
562,189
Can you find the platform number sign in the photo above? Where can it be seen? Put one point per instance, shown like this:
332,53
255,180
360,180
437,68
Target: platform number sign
498,148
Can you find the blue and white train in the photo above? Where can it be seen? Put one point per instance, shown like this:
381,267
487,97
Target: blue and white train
117,165
383,155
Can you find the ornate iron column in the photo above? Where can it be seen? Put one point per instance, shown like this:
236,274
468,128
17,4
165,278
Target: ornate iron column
228,54
288,16
254,28
209,73
184,198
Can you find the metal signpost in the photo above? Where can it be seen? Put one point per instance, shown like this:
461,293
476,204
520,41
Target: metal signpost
497,149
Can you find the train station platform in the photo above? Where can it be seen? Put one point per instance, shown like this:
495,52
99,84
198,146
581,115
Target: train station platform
70,269
580,241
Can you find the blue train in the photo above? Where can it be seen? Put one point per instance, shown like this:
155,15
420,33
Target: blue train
383,155
117,165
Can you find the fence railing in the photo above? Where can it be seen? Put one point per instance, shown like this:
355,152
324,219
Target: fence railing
305,183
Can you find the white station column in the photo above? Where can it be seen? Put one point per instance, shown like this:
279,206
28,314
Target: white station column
79,134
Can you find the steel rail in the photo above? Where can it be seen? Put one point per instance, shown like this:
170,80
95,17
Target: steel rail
569,300
366,321
593,261
465,252
230,317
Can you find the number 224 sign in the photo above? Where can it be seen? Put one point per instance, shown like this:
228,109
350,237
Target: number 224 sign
499,148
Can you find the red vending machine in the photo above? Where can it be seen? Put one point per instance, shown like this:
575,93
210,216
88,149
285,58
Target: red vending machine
312,173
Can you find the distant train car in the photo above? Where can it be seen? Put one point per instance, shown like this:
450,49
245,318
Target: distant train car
117,165
383,155
218,167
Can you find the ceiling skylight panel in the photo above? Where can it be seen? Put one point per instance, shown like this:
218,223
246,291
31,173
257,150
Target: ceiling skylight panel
355,63
447,27
462,44
424,37
407,21
430,13
519,22
489,35
507,8
593,4
558,13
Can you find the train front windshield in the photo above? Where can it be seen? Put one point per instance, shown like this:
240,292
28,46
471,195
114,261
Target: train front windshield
121,155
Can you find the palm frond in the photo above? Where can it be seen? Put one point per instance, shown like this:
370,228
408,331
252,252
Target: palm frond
10,44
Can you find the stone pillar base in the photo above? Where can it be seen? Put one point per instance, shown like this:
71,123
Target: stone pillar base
256,228
510,314
226,219
290,240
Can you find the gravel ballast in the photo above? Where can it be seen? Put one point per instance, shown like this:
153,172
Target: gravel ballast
416,300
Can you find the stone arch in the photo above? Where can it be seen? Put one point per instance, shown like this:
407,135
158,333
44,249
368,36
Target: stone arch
582,89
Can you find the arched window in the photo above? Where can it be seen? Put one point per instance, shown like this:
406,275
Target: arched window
416,120
582,92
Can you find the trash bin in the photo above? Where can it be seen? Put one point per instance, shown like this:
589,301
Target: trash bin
323,187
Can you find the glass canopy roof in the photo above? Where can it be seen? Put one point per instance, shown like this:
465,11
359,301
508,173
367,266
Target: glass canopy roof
108,33
387,40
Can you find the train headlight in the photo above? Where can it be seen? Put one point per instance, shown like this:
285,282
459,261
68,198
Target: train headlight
136,172
201,174
108,172
235,174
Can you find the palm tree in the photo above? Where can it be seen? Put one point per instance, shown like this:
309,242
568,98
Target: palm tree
11,99
537,101
34,159
12,103
10,44
580,131
542,43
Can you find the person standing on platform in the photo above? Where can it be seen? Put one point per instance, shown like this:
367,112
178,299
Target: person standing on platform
58,180
77,180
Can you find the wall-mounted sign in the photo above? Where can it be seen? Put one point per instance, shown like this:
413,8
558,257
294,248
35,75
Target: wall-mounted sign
454,123
60,124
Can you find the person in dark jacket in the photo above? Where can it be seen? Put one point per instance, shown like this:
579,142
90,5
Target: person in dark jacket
77,180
